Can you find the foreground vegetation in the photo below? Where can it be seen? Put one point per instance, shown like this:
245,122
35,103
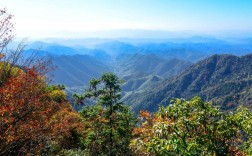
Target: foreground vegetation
193,128
36,119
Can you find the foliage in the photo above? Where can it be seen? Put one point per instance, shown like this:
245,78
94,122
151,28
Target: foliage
192,128
109,122
64,124
243,118
72,152
25,112
57,93
32,115
67,128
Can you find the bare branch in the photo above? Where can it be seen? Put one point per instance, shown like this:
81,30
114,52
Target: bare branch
6,28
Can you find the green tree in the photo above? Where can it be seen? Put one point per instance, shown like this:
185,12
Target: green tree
193,128
111,122
243,118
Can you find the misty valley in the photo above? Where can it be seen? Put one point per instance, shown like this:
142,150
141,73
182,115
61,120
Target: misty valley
148,67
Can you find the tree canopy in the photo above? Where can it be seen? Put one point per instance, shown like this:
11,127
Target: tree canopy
193,128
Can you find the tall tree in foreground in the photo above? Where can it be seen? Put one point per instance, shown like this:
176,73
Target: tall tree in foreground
111,122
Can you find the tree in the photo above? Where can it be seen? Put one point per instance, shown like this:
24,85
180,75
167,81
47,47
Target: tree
111,122
11,58
67,131
243,118
29,108
191,128
6,28
25,110
33,115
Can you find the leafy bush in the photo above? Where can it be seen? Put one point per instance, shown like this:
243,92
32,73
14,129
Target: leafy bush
193,128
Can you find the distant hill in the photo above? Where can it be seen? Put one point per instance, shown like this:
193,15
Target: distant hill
115,48
139,65
52,49
76,70
140,83
141,72
44,49
224,79
195,51
191,49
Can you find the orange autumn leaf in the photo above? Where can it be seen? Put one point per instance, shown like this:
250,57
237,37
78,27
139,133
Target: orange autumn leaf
144,114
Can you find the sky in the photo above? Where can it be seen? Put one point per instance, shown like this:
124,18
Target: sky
55,18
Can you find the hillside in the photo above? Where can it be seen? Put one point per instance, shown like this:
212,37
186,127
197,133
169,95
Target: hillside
140,83
139,65
141,72
136,70
76,70
225,79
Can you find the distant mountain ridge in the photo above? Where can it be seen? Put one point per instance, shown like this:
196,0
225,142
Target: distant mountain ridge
192,49
120,58
225,79
147,65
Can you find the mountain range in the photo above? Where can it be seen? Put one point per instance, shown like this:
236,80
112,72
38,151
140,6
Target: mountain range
225,80
155,71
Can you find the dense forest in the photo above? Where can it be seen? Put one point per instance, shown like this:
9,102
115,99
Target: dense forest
223,79
36,118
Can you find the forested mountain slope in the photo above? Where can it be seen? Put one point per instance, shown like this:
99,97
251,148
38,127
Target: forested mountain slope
140,83
225,79
76,70
146,64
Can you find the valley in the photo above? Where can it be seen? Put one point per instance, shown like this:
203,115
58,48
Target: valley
154,72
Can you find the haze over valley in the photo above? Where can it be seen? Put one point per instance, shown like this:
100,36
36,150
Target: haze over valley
142,63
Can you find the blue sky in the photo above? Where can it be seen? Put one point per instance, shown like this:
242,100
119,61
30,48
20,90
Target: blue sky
49,18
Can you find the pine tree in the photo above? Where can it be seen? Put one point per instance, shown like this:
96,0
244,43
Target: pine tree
113,121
